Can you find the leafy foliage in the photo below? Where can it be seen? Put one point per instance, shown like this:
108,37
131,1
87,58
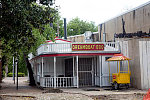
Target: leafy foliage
19,74
24,26
17,21
77,26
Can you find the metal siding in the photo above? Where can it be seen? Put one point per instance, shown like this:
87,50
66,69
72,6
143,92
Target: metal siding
144,47
148,61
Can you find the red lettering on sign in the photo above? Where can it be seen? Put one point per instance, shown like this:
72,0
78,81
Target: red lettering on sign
87,47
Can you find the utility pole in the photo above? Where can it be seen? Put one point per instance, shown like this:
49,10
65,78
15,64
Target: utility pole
65,29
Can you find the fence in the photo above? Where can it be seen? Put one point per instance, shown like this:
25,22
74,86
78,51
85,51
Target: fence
60,82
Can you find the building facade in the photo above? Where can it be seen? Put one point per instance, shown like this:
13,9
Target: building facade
73,64
132,30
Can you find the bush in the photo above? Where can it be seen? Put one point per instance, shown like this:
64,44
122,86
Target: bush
19,74
10,74
3,75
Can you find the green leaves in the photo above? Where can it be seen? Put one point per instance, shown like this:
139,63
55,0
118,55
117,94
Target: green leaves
19,18
77,26
22,24
47,2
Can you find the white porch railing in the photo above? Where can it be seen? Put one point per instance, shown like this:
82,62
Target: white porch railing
56,47
66,47
60,82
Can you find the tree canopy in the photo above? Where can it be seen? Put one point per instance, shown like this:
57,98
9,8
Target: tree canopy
24,26
77,26
18,19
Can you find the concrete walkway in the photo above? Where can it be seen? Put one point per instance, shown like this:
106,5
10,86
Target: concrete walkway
25,92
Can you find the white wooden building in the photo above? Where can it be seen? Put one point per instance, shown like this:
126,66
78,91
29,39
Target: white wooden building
57,64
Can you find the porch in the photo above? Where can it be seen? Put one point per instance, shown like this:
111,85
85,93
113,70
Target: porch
56,71
76,71
62,65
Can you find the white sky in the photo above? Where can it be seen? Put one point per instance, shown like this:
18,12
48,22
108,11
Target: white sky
97,11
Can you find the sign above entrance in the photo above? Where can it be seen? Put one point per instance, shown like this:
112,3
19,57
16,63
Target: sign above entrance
87,47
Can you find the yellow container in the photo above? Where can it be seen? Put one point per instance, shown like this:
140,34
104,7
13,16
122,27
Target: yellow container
121,78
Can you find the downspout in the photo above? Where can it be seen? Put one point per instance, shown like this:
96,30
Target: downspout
104,34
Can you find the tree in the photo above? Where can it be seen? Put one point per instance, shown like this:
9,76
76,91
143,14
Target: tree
77,26
19,19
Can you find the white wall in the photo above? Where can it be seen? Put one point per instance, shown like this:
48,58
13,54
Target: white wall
125,52
102,77
144,49
97,72
105,71
49,66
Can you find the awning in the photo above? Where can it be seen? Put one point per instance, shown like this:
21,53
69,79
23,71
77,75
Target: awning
118,57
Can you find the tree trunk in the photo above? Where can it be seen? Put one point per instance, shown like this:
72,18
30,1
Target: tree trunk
28,65
0,71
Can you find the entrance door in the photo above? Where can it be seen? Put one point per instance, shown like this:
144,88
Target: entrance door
85,72
69,67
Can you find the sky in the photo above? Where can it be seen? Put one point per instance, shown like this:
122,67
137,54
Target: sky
97,11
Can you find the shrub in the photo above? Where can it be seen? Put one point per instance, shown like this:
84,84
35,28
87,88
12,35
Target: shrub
10,74
3,75
19,74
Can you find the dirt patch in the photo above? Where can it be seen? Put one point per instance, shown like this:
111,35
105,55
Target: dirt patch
91,89
11,97
137,96
53,91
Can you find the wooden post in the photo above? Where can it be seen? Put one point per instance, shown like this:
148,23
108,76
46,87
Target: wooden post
77,73
17,74
100,70
109,70
42,67
92,71
119,67
73,71
54,72
73,66
14,69
128,67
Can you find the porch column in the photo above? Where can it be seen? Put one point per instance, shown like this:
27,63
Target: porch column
77,73
100,69
54,72
42,67
73,66
93,71
73,73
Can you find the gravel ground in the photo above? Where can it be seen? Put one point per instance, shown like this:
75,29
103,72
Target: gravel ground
25,92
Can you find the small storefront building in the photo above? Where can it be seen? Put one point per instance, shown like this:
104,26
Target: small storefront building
62,64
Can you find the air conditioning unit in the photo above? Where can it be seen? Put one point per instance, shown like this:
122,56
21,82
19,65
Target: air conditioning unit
88,36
